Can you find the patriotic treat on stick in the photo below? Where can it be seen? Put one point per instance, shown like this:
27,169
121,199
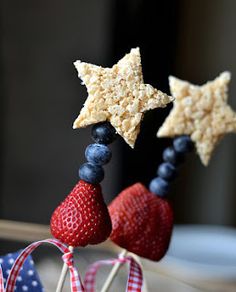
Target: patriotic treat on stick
117,95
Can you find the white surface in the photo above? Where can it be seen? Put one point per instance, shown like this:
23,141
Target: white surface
207,252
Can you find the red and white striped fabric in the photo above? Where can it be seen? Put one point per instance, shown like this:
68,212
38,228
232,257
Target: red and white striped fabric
76,284
134,283
135,279
1,280
75,281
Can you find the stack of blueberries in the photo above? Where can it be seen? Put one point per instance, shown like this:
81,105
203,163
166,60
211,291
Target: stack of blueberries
97,154
172,156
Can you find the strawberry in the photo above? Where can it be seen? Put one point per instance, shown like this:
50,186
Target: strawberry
141,222
82,218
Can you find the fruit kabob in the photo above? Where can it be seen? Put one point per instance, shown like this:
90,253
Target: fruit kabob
200,117
117,100
118,96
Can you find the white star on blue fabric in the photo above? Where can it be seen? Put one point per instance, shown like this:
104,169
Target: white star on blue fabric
28,279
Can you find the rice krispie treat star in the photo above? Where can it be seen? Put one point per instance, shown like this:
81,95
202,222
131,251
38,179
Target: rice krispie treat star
201,112
118,95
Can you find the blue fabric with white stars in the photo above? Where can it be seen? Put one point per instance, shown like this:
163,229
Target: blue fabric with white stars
28,279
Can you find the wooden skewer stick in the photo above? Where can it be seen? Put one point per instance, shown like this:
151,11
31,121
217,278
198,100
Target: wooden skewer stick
23,231
64,271
113,273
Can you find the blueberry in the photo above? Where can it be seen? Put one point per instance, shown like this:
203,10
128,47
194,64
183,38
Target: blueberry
159,186
91,173
98,154
170,155
103,133
166,171
183,144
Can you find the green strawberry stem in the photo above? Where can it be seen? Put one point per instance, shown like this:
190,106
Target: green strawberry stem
64,271
114,271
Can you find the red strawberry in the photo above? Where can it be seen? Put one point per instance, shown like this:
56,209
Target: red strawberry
141,222
82,218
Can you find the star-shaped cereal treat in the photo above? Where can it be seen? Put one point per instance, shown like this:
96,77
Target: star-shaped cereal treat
201,112
118,95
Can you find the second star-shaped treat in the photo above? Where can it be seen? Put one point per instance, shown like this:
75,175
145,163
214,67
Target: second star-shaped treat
118,95
201,112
